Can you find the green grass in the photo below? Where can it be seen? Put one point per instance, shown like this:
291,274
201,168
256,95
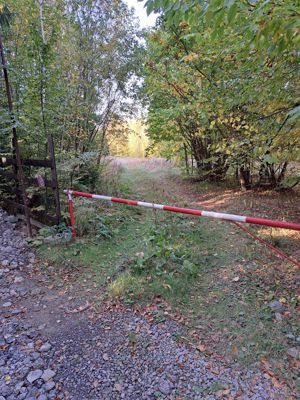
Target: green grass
221,283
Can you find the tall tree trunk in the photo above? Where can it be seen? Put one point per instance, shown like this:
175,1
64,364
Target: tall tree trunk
186,159
43,71
245,178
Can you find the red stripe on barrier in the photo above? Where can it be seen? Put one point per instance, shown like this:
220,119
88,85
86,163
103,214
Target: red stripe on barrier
275,224
182,210
124,201
72,219
81,194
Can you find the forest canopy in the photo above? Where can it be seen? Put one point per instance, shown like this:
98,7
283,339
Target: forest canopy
217,81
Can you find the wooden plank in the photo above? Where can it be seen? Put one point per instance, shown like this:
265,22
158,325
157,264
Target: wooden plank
33,221
28,181
4,162
37,214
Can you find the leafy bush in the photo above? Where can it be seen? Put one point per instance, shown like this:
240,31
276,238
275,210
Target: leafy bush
89,222
54,230
81,173
162,257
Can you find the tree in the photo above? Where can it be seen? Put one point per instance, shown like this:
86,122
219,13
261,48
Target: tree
73,69
233,107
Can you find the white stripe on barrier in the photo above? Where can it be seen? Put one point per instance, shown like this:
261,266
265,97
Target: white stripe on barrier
100,197
150,205
230,217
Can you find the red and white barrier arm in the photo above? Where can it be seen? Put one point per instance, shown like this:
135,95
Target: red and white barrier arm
211,214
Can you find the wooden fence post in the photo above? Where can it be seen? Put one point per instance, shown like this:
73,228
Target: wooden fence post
54,178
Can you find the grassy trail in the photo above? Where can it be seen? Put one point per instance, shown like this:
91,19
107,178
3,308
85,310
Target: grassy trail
218,280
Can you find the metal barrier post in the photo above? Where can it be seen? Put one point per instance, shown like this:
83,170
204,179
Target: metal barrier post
72,218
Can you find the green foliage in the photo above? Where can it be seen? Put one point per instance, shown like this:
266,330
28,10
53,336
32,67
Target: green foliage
72,70
102,227
228,99
269,25
163,258
89,223
60,229
58,233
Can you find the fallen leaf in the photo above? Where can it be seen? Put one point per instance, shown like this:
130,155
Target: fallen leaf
201,347
166,286
234,351
118,387
80,309
283,300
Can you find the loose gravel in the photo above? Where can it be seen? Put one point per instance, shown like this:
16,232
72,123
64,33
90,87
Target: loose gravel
126,357
24,365
119,355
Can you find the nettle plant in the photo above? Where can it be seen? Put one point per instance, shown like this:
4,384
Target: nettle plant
163,256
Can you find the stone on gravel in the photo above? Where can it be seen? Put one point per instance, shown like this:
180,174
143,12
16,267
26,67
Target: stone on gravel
293,352
18,279
11,218
278,317
34,375
49,386
9,339
45,347
277,306
165,386
42,397
48,374
290,336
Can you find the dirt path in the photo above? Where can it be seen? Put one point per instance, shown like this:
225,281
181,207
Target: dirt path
166,180
102,349
158,180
